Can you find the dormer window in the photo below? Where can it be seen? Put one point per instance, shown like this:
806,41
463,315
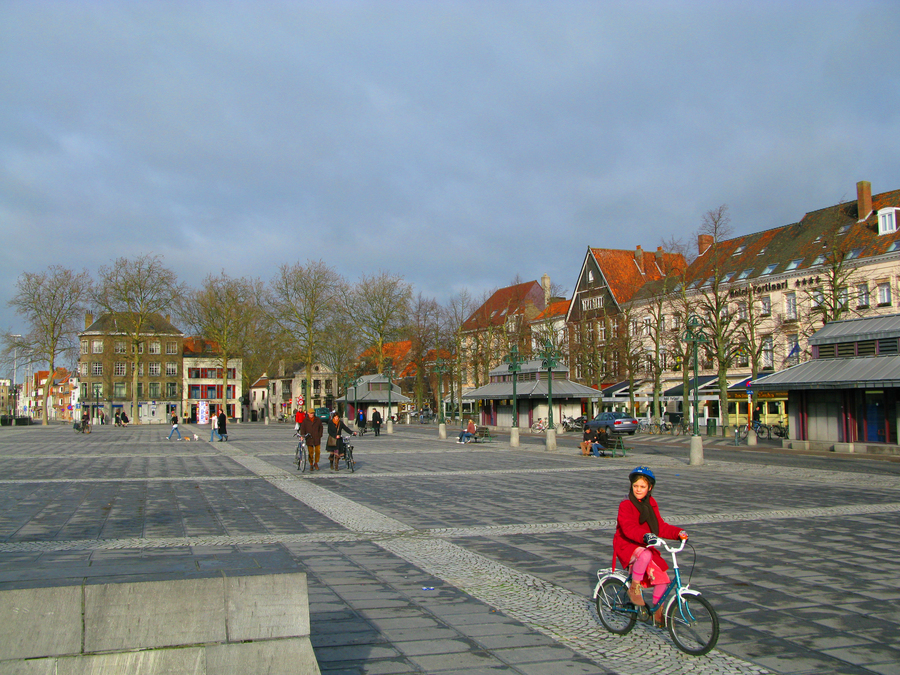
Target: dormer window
843,229
745,274
769,269
761,251
853,254
887,220
727,277
738,250
794,264
819,259
894,247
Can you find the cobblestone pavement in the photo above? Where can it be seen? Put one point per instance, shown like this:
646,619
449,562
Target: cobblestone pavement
441,558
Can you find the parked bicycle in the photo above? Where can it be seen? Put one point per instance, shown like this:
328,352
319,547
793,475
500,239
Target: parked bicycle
691,621
644,426
661,426
779,430
539,426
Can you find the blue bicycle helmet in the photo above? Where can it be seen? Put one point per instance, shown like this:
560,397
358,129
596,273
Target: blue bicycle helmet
642,472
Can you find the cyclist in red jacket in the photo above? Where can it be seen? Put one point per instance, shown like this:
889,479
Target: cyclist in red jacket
638,517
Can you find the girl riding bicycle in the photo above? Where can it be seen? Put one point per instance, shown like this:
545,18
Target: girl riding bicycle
638,517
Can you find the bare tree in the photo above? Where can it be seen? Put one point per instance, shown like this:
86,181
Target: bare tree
133,291
51,303
422,330
224,311
450,338
301,300
379,306
720,325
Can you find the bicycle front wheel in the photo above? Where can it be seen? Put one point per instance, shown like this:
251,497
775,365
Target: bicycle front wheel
693,624
612,599
301,458
763,432
348,460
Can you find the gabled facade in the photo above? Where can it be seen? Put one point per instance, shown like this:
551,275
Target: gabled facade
608,281
259,396
502,320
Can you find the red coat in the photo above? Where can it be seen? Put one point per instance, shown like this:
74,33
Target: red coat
630,533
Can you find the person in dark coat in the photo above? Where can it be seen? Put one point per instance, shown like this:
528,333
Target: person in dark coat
335,444
311,427
223,425
376,422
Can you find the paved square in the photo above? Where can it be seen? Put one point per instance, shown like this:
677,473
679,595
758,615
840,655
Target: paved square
440,558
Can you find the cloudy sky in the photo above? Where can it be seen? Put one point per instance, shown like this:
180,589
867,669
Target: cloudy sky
458,144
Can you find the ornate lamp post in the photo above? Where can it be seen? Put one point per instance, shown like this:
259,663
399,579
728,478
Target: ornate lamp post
515,365
389,374
346,380
440,368
693,334
549,359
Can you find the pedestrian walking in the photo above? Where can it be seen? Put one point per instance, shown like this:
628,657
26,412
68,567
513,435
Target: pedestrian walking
312,429
214,427
223,425
376,422
174,427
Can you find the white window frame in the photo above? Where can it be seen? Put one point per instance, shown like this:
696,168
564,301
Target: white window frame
121,369
171,369
765,303
155,347
790,306
85,347
887,220
96,346
884,294
171,348
97,368
862,295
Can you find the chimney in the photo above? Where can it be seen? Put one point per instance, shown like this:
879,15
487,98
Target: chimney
545,284
639,258
863,199
704,242
659,256
88,320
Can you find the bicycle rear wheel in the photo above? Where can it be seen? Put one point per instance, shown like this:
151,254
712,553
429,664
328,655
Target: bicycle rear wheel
764,432
693,624
612,599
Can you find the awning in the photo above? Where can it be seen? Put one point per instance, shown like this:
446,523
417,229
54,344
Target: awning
851,373
678,390
532,389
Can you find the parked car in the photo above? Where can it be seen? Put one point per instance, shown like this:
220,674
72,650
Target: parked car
614,423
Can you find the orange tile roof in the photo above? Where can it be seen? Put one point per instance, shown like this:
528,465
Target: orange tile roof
557,308
504,302
622,274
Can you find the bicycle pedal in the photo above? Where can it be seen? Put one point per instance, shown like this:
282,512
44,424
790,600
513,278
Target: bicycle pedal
643,614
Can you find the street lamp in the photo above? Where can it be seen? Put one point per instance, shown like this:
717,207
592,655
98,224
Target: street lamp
389,374
550,359
515,365
693,334
15,377
441,367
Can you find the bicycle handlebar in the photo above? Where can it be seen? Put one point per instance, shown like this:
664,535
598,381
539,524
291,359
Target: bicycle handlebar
660,541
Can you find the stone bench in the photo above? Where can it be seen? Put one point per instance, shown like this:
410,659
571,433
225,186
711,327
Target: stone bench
219,625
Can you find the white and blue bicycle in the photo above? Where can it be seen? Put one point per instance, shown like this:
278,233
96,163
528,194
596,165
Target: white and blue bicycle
691,620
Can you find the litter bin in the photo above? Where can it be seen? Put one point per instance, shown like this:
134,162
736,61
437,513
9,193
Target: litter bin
711,427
